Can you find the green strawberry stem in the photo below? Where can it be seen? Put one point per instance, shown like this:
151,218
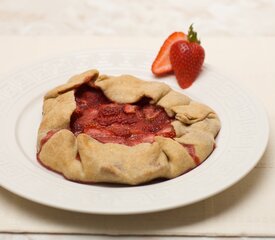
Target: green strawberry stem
192,35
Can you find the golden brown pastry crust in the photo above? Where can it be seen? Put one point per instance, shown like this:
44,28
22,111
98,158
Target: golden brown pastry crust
195,124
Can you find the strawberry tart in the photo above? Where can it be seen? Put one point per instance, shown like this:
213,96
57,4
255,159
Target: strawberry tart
98,128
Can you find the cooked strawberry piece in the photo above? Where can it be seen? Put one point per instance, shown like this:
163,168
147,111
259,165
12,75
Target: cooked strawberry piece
110,109
104,136
120,130
167,131
121,118
136,130
128,108
150,128
192,152
151,112
88,115
84,120
162,64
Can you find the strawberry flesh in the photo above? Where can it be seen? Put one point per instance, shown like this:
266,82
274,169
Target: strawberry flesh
162,64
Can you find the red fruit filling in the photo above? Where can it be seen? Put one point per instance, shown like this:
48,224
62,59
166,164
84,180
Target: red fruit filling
191,150
47,137
110,122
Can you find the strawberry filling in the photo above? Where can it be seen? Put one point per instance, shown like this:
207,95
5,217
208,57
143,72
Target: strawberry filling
192,152
42,142
47,137
110,122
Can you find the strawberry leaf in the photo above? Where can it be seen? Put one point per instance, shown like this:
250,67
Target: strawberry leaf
192,35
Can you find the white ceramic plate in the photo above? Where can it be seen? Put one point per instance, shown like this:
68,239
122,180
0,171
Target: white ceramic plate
240,143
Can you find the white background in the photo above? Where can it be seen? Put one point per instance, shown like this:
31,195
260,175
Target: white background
153,18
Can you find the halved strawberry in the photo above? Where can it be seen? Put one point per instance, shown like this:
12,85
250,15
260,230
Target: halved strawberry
162,64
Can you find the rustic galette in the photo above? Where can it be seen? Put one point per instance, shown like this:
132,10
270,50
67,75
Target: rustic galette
98,128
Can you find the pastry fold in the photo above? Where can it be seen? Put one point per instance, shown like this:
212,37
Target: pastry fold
82,158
